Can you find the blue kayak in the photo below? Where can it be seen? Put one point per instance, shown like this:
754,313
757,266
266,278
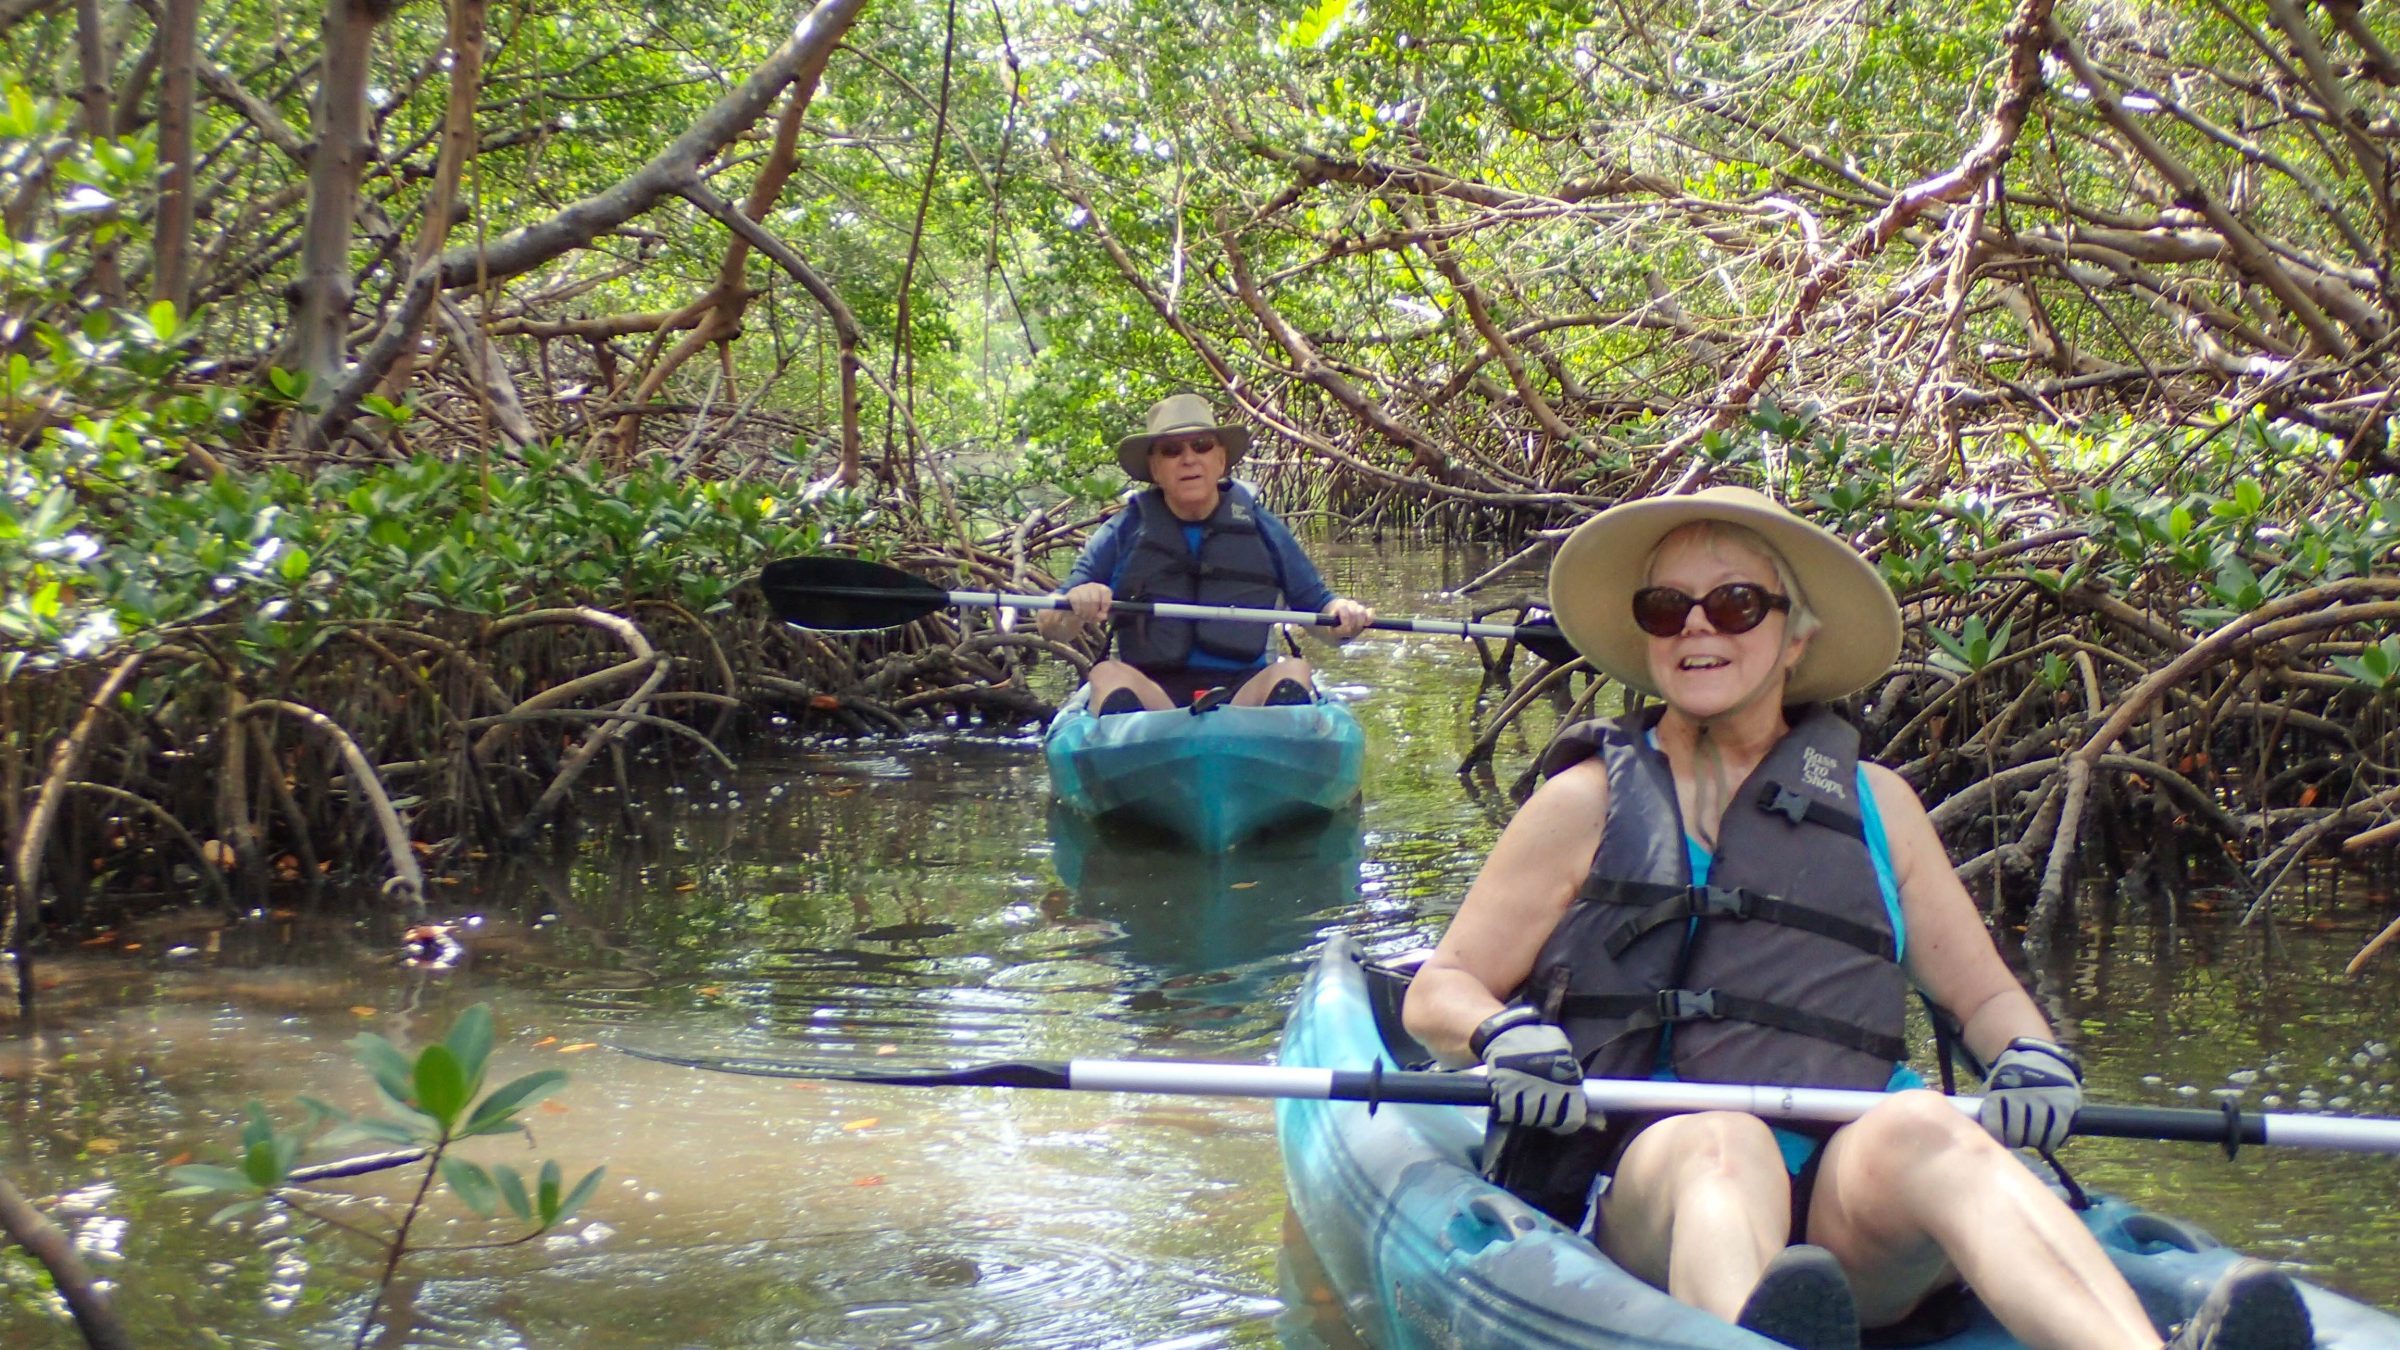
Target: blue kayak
1211,779
1424,1252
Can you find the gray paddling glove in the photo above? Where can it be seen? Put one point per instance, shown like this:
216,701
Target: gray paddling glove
2031,1095
1536,1078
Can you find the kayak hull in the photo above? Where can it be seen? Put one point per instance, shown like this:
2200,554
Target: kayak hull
1423,1252
1209,779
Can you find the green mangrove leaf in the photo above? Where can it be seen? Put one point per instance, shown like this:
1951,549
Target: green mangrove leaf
442,1089
205,1179
576,1198
512,1191
497,1112
470,1039
386,1065
473,1185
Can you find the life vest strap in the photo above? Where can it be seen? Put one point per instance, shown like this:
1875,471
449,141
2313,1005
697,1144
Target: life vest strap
1664,905
1646,1012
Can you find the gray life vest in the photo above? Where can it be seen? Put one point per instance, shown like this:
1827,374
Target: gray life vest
1782,970
1233,567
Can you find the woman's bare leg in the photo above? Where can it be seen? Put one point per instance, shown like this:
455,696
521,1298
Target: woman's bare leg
1698,1205
1915,1190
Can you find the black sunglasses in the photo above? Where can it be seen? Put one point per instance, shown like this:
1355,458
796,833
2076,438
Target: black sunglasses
1735,607
1178,449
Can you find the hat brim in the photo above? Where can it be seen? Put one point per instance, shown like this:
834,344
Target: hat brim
1133,453
1601,565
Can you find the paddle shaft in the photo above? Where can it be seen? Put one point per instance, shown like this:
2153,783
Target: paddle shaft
2230,1128
2227,1126
1167,609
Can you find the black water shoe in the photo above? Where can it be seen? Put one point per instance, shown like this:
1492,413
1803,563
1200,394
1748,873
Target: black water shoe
1120,700
1289,694
1803,1300
2253,1306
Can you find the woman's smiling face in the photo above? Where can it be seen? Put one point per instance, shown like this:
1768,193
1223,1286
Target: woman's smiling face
1702,672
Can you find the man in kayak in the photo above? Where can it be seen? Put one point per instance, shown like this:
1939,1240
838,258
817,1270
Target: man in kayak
1720,890
1194,536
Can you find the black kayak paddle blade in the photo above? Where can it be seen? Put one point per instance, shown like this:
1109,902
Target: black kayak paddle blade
847,595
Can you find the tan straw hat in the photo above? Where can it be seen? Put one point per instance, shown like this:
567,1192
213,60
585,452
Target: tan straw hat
1179,415
1601,565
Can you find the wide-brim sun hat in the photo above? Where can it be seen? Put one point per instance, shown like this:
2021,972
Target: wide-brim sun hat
1179,415
1601,565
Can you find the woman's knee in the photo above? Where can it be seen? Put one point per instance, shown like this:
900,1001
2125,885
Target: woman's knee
1709,1141
1916,1124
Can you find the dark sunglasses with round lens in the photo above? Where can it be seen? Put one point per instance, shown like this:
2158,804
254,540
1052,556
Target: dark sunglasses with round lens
1735,607
1178,449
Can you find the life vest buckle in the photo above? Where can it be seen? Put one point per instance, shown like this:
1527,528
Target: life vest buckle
1788,804
1687,1005
1718,902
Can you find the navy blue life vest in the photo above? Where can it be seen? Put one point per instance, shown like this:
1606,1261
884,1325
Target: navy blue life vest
1234,567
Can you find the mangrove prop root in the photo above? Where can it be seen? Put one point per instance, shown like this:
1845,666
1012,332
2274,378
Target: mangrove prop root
65,762
407,884
94,1315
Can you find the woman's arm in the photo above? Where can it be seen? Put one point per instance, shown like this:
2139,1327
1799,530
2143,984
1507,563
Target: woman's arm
1524,888
1950,953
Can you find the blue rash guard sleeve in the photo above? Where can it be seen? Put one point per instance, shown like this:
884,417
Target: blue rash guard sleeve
1302,587
1103,556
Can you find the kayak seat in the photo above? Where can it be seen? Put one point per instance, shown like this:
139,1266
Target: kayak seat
1387,987
1940,1315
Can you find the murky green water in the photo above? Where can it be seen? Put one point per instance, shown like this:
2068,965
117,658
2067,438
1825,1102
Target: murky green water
917,901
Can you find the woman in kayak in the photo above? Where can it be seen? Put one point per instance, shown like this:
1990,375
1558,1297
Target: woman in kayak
1194,536
1721,890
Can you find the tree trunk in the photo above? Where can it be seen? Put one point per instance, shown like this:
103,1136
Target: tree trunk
458,144
91,54
170,273
337,160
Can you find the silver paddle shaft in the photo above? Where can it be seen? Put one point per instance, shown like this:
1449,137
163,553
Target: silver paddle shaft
1168,609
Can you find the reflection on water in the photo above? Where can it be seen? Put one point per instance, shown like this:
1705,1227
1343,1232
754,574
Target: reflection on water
1219,934
917,903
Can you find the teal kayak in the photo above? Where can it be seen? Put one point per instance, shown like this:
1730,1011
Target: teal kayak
1423,1252
1211,779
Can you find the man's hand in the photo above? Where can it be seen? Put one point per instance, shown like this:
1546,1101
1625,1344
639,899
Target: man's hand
1536,1079
1350,618
1090,603
2031,1095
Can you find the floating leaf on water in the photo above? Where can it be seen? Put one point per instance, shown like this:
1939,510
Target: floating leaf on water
578,1047
362,1010
871,1179
862,1123
546,1040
